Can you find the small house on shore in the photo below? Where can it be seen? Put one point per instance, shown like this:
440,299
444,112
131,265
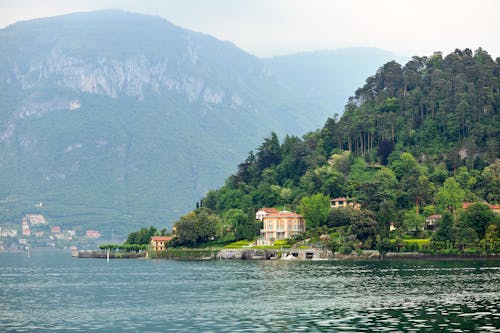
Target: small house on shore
158,243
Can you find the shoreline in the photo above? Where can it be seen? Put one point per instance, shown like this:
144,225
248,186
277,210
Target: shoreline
285,254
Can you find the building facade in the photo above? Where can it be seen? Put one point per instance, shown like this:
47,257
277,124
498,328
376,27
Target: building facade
280,225
158,243
342,202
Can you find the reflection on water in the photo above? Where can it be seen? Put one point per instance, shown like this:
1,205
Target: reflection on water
53,292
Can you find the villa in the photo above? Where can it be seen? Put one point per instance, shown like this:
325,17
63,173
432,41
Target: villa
158,243
280,225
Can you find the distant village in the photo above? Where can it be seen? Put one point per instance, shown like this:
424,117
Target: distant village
34,231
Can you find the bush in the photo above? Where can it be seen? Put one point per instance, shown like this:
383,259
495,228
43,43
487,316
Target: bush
346,248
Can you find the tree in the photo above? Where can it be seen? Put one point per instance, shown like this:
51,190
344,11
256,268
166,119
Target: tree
364,225
315,210
450,196
402,165
380,188
421,192
444,228
339,217
243,225
269,153
478,217
413,222
196,228
143,236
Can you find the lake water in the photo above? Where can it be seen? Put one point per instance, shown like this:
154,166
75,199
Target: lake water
50,291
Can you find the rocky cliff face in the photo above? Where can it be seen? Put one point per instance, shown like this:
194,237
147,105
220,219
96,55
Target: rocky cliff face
110,77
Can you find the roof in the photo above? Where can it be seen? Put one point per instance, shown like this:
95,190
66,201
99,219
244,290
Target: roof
268,210
283,213
468,204
339,199
434,217
161,238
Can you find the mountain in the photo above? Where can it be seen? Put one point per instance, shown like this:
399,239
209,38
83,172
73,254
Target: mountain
113,120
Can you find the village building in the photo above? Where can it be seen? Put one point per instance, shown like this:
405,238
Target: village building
343,202
159,243
8,232
280,225
261,213
55,229
35,219
59,235
432,221
93,234
494,208
25,229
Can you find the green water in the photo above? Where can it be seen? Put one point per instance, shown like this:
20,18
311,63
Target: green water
50,291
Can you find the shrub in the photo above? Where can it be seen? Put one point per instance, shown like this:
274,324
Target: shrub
346,248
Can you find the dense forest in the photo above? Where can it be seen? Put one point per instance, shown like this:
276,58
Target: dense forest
415,140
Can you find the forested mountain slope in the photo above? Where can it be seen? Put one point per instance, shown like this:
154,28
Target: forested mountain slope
415,140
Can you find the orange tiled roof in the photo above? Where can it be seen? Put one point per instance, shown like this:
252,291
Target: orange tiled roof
339,199
161,238
468,204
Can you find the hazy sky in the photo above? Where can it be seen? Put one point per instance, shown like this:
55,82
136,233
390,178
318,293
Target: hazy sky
275,27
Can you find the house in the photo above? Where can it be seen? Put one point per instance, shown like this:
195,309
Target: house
158,243
93,234
55,229
494,208
343,202
8,232
280,225
25,229
432,221
261,213
35,219
60,235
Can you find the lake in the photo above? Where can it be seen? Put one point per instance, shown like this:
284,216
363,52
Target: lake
51,291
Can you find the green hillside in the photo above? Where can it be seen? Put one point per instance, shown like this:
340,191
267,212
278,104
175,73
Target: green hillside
415,140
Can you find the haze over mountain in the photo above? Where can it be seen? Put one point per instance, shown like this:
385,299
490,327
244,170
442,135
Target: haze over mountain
115,120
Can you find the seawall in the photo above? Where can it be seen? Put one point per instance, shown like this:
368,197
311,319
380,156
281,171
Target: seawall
112,255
